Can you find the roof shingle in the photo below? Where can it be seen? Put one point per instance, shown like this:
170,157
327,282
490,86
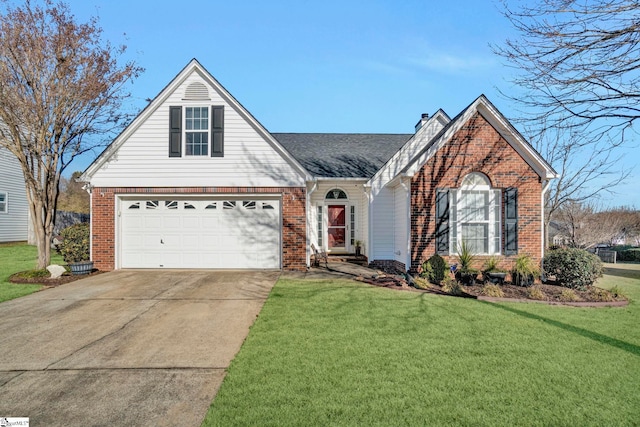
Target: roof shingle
342,155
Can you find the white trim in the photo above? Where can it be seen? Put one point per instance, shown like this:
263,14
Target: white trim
6,202
499,122
122,197
403,157
193,67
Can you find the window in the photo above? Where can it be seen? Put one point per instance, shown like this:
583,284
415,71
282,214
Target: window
319,227
475,215
3,202
197,131
336,194
352,217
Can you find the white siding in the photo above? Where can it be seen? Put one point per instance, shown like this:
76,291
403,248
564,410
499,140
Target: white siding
143,160
382,225
400,223
357,197
408,152
14,224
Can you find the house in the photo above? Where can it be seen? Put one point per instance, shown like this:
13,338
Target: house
195,181
14,208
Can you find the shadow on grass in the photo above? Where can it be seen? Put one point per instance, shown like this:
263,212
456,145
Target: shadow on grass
603,339
622,272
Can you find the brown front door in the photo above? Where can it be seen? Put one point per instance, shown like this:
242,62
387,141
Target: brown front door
337,226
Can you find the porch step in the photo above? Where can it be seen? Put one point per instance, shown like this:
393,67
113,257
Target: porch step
351,258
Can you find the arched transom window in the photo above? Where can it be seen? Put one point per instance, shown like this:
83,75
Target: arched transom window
336,194
475,215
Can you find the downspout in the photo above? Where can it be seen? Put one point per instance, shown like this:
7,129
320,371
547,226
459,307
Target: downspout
314,187
368,250
546,183
407,190
88,188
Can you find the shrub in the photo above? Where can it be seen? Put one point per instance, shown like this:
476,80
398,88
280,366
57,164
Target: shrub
491,265
617,293
421,283
629,255
536,293
568,295
492,291
599,294
573,268
452,286
75,243
524,271
434,269
466,258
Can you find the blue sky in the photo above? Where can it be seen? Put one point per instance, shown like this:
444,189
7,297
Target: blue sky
324,66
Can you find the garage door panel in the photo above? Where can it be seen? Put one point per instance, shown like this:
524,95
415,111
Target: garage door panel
200,234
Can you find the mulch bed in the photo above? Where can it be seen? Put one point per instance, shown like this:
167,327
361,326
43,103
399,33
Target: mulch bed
512,293
47,281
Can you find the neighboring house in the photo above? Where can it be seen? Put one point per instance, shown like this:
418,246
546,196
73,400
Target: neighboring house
14,208
195,181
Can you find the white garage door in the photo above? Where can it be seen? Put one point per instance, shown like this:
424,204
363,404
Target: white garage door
157,233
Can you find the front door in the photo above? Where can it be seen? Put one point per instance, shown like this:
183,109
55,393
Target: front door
337,227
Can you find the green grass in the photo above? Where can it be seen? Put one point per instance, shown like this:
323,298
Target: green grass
344,353
16,257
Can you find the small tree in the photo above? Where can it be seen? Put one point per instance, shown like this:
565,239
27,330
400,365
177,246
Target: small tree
61,95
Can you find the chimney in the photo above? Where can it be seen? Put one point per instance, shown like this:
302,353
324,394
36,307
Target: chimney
423,120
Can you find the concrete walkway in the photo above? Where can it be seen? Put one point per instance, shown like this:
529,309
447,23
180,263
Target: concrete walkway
132,348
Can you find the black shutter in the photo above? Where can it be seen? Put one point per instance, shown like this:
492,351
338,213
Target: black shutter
175,131
217,131
511,221
442,222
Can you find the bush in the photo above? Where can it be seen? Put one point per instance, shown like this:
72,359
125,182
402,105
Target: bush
617,293
573,268
421,283
434,269
629,255
75,243
568,295
492,291
600,294
537,293
452,286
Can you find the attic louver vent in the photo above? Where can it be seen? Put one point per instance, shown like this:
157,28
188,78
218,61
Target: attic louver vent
197,91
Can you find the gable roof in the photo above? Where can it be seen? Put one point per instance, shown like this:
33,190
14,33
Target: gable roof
192,67
342,155
495,118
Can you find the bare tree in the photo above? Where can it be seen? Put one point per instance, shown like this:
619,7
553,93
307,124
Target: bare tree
585,170
61,96
578,62
583,225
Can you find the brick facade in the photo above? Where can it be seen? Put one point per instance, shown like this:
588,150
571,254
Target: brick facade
476,147
294,240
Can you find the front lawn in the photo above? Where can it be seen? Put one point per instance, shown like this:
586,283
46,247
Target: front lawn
344,353
16,257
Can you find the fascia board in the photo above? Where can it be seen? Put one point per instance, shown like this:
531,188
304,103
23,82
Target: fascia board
440,117
193,66
515,139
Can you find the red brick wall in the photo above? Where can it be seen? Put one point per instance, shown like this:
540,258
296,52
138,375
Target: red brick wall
476,147
294,241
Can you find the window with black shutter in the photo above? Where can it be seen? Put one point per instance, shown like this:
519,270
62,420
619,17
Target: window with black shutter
442,221
511,221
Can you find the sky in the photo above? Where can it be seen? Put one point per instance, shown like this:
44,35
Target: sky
326,66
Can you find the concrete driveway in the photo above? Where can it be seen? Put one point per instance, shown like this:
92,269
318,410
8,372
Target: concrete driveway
126,348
